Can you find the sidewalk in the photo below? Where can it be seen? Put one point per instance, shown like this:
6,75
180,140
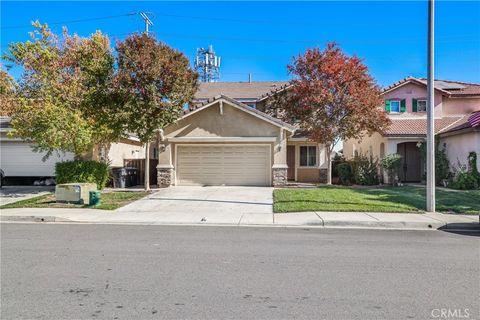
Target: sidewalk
313,219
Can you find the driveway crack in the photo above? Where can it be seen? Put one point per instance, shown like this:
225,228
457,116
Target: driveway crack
323,222
241,217
371,216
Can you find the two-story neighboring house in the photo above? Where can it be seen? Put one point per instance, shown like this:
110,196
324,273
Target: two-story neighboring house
457,105
225,138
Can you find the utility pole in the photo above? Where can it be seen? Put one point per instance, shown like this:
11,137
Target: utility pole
147,20
430,112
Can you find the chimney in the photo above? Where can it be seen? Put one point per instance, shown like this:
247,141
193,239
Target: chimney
249,78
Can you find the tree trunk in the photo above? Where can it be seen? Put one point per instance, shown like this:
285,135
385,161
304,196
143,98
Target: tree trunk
329,165
147,166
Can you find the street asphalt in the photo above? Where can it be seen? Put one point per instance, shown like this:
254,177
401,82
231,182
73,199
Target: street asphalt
72,271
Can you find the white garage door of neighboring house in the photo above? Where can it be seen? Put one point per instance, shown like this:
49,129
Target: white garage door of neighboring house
17,159
223,165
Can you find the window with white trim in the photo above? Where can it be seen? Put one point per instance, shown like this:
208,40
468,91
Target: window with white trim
422,106
394,105
308,156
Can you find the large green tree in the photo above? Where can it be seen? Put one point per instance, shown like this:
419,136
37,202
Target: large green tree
7,94
63,93
332,97
153,84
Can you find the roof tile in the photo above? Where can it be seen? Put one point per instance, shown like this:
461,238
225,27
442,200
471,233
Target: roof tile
237,90
418,127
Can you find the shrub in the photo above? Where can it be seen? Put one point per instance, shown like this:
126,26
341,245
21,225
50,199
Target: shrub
391,163
365,170
472,164
82,171
466,178
344,170
442,165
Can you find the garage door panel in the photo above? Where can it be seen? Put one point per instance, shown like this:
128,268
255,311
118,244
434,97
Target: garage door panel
17,159
223,165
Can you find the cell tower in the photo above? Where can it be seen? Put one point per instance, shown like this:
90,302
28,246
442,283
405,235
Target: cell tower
207,64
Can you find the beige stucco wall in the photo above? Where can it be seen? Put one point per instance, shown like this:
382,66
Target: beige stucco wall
460,105
459,145
211,123
363,145
117,152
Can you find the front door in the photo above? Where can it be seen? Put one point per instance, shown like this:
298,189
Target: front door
410,169
291,162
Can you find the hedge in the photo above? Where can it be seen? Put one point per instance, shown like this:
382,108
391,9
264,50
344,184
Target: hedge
82,171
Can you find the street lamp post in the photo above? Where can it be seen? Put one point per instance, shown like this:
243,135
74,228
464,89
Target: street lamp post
430,112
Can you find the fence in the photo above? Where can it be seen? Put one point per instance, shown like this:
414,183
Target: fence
140,165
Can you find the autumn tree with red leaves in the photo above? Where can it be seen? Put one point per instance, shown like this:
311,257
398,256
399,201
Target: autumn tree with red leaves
153,84
332,97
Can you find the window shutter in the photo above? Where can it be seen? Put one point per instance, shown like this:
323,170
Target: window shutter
403,106
387,105
414,105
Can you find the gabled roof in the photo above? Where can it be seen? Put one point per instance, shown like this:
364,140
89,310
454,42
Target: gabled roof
243,107
446,87
468,121
238,90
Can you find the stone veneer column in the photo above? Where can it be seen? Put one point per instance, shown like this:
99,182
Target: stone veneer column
279,174
164,176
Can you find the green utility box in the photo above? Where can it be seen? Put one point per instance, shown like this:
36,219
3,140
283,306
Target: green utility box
94,198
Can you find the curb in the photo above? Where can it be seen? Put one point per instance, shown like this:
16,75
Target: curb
392,225
34,219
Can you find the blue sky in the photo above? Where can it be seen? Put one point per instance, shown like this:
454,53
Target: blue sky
261,37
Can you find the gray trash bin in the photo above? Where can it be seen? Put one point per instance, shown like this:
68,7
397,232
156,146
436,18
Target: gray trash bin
132,176
119,177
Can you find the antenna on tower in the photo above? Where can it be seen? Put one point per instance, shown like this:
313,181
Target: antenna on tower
207,64
147,20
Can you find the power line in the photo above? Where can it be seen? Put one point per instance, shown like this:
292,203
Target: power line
290,23
304,41
73,21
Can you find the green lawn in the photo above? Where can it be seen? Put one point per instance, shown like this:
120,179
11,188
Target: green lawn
110,201
373,199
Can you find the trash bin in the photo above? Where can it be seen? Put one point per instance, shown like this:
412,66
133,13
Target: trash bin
94,198
119,177
132,174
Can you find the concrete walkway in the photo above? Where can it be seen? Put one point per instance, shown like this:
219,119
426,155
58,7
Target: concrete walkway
312,219
11,194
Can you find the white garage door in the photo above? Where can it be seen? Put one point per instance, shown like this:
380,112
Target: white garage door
17,159
241,165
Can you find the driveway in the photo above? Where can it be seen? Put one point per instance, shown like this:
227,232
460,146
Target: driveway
208,204
10,194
